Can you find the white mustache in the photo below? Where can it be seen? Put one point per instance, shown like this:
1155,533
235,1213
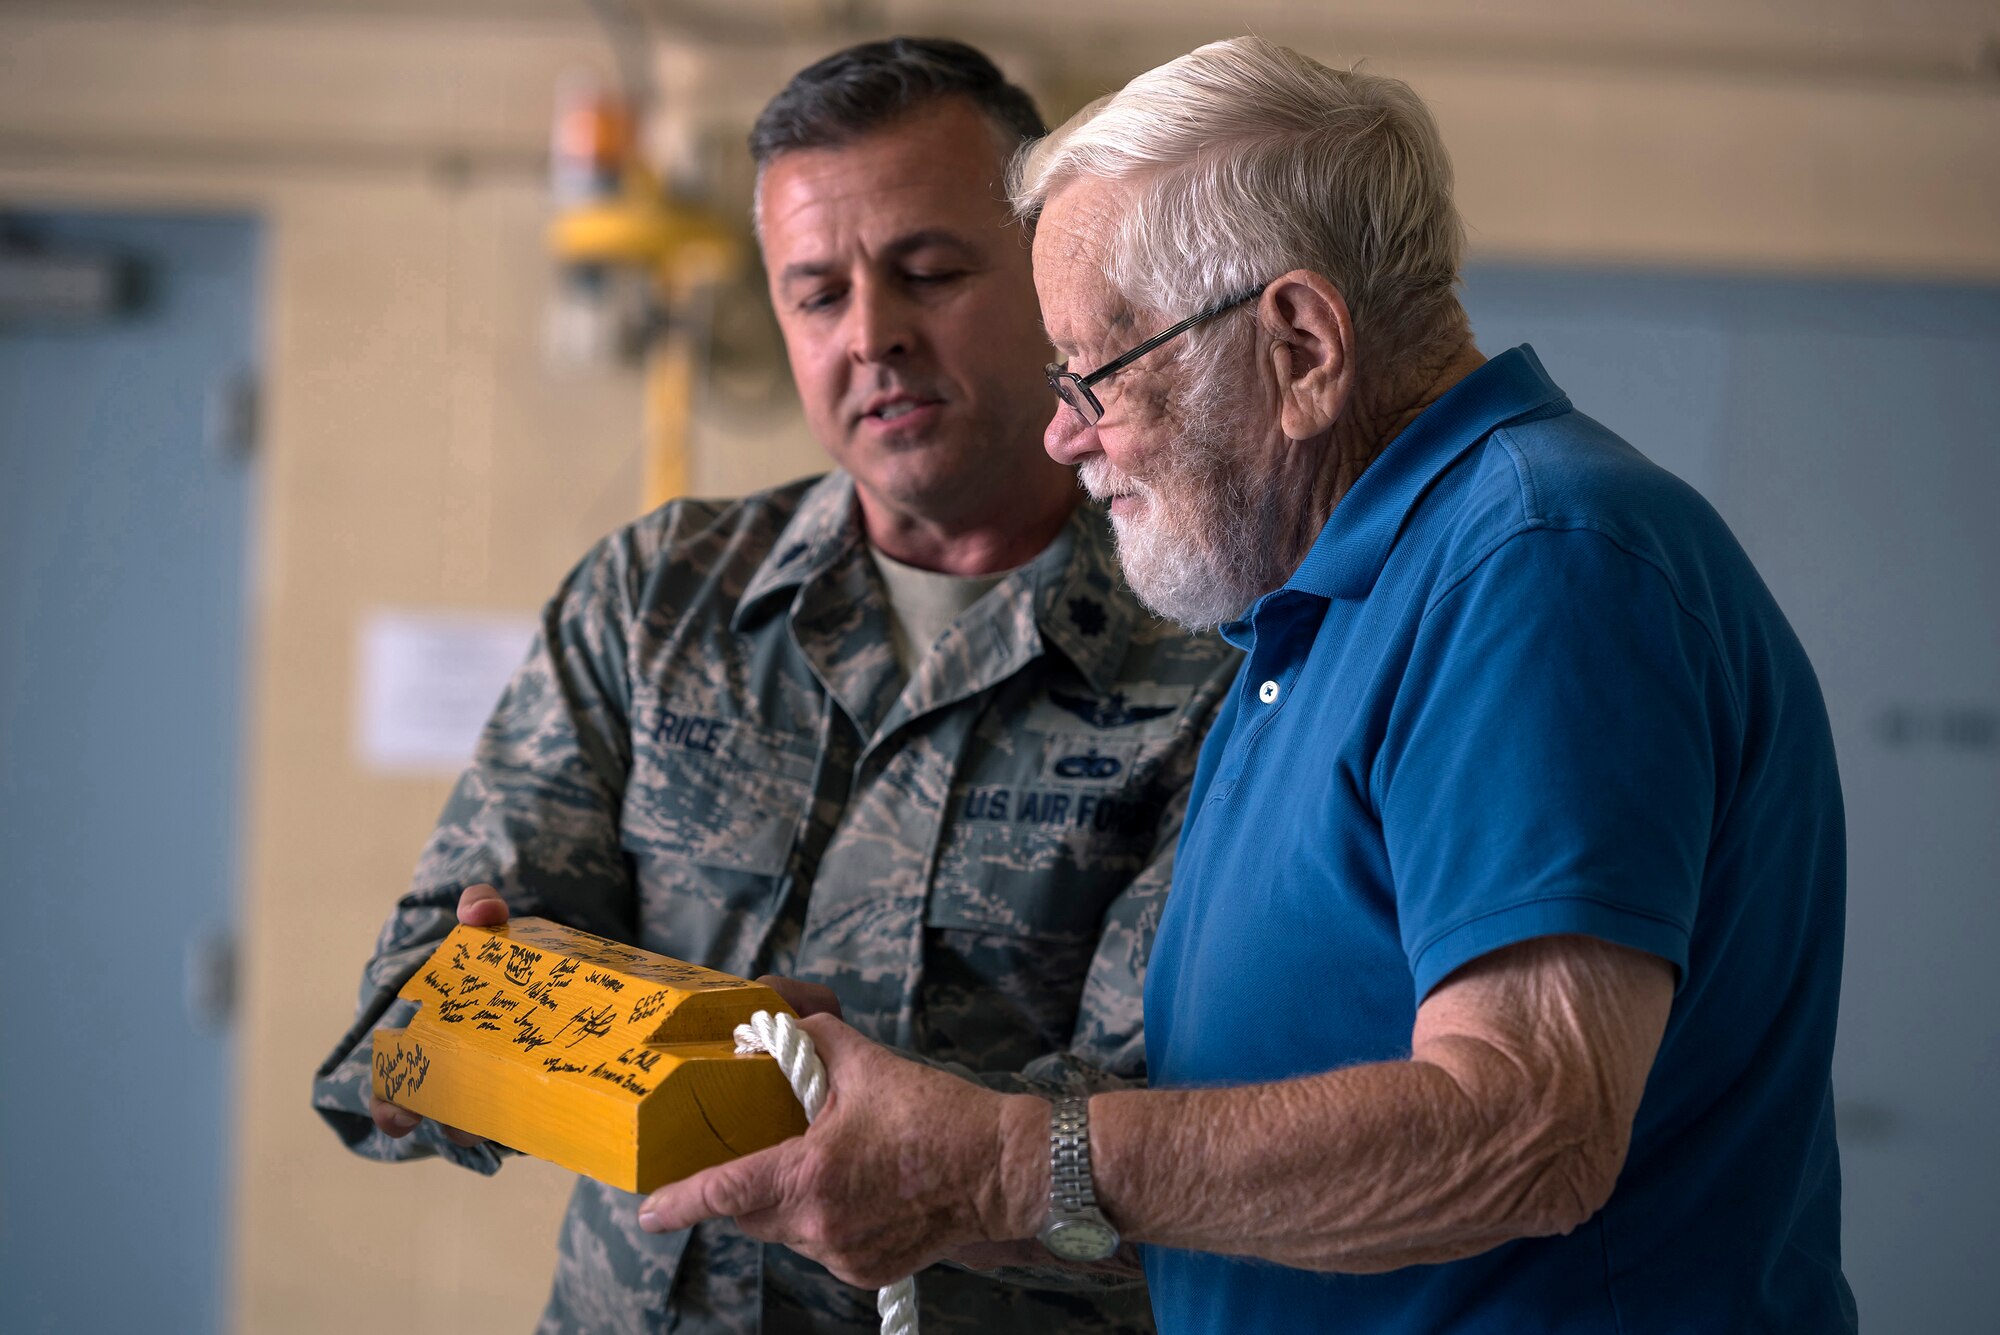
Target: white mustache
1103,481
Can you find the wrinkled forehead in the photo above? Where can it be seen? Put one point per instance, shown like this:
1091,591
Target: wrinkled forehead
1072,254
823,201
939,169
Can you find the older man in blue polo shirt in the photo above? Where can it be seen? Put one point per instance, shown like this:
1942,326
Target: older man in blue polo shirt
1496,991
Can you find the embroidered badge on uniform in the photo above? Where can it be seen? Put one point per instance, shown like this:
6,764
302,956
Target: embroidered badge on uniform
1087,615
1113,712
1089,765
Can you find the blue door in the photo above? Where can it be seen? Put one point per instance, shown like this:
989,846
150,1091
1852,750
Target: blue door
1847,431
124,500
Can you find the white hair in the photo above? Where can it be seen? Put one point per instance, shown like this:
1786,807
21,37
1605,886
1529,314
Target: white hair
1248,160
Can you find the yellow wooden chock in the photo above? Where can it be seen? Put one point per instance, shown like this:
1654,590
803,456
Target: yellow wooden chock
609,1060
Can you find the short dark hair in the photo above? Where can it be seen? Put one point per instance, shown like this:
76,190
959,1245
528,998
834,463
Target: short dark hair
833,101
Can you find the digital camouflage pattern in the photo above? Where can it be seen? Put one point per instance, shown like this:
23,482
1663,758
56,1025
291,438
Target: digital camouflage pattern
712,753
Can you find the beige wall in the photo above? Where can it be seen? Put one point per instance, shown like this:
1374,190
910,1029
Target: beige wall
416,454
419,453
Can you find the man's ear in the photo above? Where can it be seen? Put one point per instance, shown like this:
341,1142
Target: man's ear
1312,351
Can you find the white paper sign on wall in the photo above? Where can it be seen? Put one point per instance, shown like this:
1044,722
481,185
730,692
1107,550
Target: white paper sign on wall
427,683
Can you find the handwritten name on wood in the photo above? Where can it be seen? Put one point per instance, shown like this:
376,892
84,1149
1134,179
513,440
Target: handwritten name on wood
595,1055
402,1069
539,986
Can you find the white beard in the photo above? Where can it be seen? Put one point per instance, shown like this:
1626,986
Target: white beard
1204,546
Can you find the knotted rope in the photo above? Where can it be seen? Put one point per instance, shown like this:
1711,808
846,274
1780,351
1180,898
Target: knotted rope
781,1036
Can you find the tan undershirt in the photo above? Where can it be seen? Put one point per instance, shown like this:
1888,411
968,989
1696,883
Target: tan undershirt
924,603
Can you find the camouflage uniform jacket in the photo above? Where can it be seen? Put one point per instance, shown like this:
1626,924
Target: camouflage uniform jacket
712,753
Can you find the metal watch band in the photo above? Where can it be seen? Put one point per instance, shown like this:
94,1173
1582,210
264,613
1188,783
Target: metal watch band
1070,1190
1076,1230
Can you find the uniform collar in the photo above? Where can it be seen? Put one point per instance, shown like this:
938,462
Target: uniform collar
823,528
1078,602
1082,605
1355,543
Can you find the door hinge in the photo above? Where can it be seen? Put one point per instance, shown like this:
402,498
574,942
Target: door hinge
209,979
234,407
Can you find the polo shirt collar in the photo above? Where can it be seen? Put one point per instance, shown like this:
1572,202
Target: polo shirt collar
1354,545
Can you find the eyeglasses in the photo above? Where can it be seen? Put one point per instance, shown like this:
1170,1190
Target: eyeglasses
1074,389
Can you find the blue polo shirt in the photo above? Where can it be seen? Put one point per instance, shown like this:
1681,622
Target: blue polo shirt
1526,683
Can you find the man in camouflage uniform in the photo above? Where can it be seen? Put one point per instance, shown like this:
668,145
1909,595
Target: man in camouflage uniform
748,737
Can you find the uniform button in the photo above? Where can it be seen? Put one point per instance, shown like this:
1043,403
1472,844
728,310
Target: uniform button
1268,692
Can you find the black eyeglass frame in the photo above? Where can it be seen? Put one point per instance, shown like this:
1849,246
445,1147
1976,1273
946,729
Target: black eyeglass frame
1074,389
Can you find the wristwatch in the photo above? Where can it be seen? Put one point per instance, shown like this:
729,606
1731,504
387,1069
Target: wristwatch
1076,1230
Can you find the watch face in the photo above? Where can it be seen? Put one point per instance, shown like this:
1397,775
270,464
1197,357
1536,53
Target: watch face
1080,1239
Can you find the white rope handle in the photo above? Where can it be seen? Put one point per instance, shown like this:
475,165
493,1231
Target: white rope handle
781,1036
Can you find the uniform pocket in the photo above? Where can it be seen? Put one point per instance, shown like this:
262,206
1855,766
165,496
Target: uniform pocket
1042,848
715,791
711,813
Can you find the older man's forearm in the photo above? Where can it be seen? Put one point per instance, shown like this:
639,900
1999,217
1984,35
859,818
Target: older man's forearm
1511,1121
1366,1169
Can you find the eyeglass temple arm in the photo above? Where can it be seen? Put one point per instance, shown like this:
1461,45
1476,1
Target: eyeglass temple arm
1227,303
